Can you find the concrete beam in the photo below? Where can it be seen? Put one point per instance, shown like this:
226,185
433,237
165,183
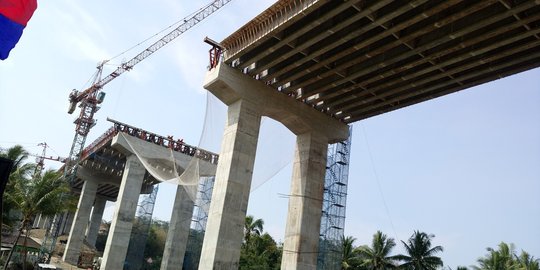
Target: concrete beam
230,86
76,234
177,236
158,154
300,247
226,217
102,178
124,214
252,34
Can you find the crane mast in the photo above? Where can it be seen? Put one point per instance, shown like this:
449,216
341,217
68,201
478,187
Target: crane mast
40,159
90,98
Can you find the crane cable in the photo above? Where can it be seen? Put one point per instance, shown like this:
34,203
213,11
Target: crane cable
161,31
377,180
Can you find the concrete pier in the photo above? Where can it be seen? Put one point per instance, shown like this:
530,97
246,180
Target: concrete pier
43,222
95,221
177,236
69,222
223,238
126,205
75,241
38,220
305,203
226,218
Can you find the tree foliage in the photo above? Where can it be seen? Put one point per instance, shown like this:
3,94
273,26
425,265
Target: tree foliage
419,253
505,258
155,243
31,194
252,227
20,171
350,259
377,256
259,250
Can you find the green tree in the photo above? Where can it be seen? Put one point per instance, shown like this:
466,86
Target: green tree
155,244
350,258
420,255
15,153
19,171
259,251
377,256
498,259
252,227
527,262
46,194
505,258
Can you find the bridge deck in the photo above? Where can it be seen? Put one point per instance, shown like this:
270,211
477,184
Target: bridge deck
360,58
101,159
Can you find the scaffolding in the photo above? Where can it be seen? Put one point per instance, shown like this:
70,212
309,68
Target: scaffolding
334,202
141,226
198,223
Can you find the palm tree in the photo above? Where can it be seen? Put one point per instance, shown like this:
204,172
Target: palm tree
19,170
47,194
527,262
15,153
500,259
252,227
350,256
420,254
377,257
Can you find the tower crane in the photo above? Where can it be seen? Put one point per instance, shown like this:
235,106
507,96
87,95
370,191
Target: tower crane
90,99
40,159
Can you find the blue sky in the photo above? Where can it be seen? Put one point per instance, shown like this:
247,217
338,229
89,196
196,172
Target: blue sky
464,167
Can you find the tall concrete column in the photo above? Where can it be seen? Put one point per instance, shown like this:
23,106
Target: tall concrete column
305,203
124,214
37,220
69,222
43,222
225,227
97,215
175,246
63,222
76,235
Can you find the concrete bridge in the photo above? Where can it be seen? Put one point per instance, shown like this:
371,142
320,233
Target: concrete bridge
316,66
112,170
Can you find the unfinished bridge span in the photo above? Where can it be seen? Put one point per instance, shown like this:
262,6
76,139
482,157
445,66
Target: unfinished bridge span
318,65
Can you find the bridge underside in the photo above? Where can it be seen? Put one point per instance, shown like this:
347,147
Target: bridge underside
356,59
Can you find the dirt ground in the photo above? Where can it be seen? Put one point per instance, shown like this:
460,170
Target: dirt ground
39,234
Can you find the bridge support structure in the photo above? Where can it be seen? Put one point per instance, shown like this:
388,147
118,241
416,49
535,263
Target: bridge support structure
126,205
177,236
80,222
95,220
248,100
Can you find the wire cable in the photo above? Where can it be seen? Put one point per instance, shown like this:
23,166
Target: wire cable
378,181
161,31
